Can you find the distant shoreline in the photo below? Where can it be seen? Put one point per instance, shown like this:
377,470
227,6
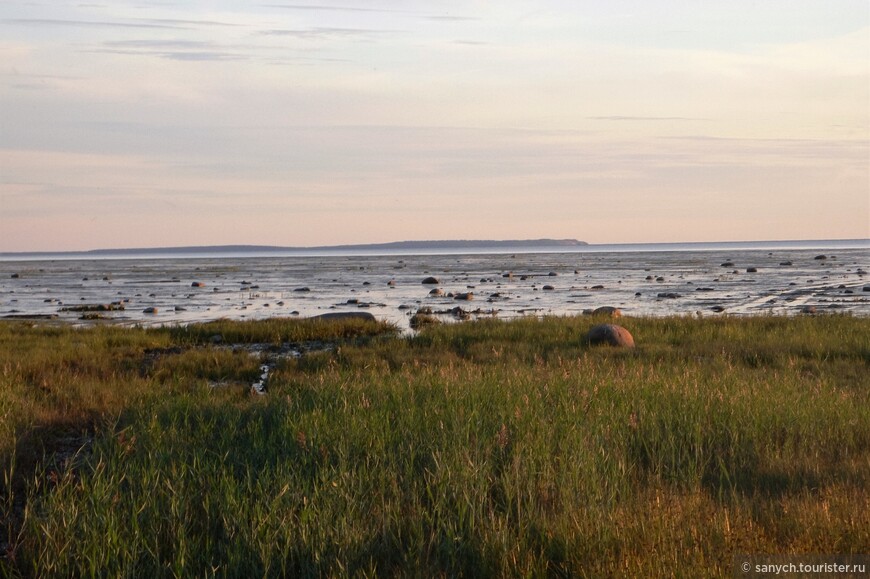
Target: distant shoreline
433,246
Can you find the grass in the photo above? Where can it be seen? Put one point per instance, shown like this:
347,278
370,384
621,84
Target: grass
477,449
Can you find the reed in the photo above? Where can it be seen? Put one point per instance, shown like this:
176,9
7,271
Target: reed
478,449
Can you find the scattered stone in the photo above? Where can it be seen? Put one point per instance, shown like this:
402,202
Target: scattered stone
197,284
866,288
391,283
437,292
808,310
151,310
302,289
552,274
548,288
705,289
669,295
610,334
430,281
180,309
597,287
718,309
821,257
467,297
751,270
728,264
15,276
785,263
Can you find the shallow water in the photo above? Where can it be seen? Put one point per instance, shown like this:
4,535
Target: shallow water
653,283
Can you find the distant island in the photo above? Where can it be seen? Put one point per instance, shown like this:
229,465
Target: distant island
431,245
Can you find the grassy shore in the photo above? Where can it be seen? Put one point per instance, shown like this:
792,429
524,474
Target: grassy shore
477,449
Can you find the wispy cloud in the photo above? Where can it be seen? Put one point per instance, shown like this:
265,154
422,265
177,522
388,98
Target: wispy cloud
93,23
641,118
327,32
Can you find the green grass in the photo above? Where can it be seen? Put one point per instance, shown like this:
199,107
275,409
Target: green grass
477,449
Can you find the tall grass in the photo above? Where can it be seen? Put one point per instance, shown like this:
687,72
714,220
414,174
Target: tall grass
479,449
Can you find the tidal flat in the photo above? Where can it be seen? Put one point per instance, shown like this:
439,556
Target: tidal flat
485,448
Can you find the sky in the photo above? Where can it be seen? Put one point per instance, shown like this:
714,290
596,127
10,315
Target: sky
137,123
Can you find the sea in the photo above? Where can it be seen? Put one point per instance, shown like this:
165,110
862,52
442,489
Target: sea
697,279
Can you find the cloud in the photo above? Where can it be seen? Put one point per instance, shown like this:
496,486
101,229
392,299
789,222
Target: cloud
179,50
641,118
327,32
94,24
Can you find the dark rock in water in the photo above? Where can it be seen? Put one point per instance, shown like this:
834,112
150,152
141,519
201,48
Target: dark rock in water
430,281
718,309
611,311
660,279
552,274
302,289
866,288
548,288
340,316
728,264
597,287
705,289
786,263
180,309
464,297
391,283
367,283
15,276
151,310
610,334
197,284
751,270
436,292
820,257
669,295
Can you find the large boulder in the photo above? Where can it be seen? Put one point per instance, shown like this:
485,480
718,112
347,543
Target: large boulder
611,311
339,316
610,334
430,281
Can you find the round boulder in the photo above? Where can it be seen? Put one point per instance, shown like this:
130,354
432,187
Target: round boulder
430,281
610,334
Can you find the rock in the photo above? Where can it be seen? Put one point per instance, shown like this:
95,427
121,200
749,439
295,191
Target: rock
820,257
751,270
216,338
15,276
197,284
610,334
467,297
552,274
180,309
302,289
430,281
786,263
728,264
436,292
341,316
391,283
866,288
611,311
669,295
718,309
548,288
808,310
151,310
419,321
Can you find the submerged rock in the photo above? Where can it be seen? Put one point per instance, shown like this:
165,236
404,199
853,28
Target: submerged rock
610,334
430,281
